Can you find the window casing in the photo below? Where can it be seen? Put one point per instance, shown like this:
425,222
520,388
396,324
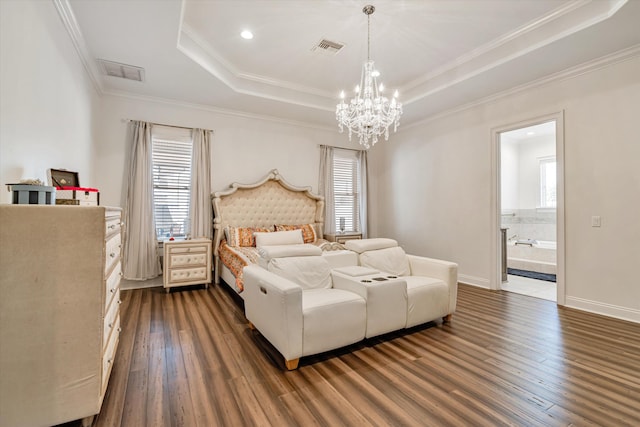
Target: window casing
346,190
548,182
171,162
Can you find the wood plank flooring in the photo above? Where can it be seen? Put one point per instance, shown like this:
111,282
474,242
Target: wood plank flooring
188,359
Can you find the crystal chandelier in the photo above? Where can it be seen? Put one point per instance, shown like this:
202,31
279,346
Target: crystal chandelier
369,114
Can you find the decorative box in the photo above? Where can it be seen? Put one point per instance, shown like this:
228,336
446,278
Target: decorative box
25,194
68,188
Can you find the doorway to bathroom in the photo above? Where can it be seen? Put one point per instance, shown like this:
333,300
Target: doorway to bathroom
529,208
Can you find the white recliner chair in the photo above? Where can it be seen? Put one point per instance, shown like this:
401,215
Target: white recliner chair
432,284
292,302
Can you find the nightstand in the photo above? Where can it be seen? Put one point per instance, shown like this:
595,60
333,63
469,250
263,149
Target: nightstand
187,262
343,237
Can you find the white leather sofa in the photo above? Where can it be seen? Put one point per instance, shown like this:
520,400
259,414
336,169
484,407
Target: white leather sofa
303,307
292,302
432,284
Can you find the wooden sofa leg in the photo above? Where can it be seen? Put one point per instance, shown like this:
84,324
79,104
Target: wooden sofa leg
252,326
292,364
447,318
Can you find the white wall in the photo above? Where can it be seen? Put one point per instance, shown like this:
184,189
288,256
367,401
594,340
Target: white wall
509,173
432,185
47,104
244,149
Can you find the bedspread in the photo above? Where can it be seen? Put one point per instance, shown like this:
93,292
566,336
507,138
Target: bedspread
236,258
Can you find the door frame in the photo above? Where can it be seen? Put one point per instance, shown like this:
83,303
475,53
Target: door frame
495,276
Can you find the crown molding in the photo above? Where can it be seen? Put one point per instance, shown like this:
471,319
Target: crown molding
581,69
73,29
216,110
560,23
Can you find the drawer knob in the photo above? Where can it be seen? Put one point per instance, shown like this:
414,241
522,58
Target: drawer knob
110,325
119,302
112,226
119,329
112,290
112,254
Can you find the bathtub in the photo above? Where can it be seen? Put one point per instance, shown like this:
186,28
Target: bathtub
539,257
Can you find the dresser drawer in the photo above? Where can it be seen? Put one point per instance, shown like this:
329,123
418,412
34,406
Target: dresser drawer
188,274
110,354
112,288
112,251
113,225
110,320
181,260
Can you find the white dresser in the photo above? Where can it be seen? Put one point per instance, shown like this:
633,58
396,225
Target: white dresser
59,311
186,262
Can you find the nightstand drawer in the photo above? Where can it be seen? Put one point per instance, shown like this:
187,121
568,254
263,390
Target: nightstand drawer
182,260
188,274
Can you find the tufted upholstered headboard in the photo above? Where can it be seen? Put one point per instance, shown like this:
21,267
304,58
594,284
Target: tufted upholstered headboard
263,204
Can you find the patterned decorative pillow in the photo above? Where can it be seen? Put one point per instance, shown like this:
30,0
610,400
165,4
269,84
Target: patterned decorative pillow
242,236
308,231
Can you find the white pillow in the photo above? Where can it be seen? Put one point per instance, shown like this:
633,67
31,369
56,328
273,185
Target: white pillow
310,272
293,237
389,260
283,251
363,245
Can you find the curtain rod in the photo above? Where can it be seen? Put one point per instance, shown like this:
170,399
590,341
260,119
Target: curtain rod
339,148
163,124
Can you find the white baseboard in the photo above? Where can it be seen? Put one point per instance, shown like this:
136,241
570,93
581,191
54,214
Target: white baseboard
624,313
473,281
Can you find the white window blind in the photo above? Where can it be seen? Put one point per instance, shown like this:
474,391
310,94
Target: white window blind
346,189
171,157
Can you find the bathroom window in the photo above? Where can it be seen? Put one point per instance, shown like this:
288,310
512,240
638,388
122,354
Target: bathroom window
548,182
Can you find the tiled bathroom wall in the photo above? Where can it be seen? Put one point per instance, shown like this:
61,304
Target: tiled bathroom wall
537,224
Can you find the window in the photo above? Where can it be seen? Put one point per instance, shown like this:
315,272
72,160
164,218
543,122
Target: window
171,158
548,182
346,190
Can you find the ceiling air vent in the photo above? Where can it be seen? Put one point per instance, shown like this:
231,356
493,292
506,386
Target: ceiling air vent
327,46
124,71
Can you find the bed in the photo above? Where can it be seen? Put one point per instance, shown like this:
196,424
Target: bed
263,206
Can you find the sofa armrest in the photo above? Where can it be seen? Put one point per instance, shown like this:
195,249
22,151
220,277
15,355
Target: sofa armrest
274,305
438,269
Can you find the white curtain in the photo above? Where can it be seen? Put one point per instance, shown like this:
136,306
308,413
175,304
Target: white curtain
200,216
140,253
362,169
325,188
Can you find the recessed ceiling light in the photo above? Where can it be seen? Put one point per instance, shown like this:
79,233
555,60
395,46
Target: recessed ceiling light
531,133
246,34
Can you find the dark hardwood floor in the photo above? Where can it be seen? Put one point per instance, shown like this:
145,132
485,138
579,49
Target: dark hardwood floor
188,359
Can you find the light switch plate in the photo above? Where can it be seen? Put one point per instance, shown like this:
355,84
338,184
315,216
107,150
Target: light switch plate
595,221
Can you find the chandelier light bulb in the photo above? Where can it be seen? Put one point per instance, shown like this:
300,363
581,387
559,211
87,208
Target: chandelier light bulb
369,114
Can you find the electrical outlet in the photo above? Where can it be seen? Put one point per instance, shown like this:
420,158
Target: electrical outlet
595,221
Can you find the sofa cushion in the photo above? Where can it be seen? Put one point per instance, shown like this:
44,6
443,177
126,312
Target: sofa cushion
428,299
310,272
363,245
333,318
390,260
